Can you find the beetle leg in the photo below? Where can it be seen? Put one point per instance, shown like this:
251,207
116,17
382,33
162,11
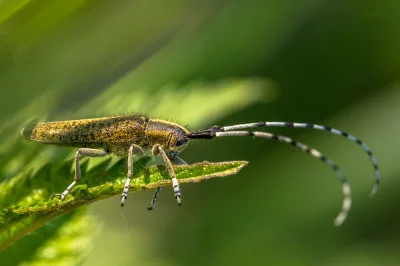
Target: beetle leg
156,150
176,161
80,152
133,150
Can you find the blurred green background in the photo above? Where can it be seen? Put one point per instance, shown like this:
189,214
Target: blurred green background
202,63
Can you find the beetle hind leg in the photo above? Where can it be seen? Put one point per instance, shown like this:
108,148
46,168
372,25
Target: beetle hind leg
80,152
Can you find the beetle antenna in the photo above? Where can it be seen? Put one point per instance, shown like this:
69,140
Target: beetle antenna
321,128
220,132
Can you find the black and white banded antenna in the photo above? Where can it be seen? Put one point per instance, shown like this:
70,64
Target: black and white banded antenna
237,130
321,128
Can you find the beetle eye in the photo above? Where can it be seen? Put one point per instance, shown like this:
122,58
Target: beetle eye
180,142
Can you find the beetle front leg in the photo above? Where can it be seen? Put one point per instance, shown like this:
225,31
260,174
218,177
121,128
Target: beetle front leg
176,161
156,150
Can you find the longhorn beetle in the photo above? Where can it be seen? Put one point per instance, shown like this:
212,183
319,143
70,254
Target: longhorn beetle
131,135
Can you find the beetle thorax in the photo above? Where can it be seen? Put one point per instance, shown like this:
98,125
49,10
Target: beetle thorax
167,134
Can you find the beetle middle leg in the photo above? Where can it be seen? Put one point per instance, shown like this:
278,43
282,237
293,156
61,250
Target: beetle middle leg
133,150
80,152
176,161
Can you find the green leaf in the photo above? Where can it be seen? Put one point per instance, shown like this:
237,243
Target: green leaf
66,240
33,206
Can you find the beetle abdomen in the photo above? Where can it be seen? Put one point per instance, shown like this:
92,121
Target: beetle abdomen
99,130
